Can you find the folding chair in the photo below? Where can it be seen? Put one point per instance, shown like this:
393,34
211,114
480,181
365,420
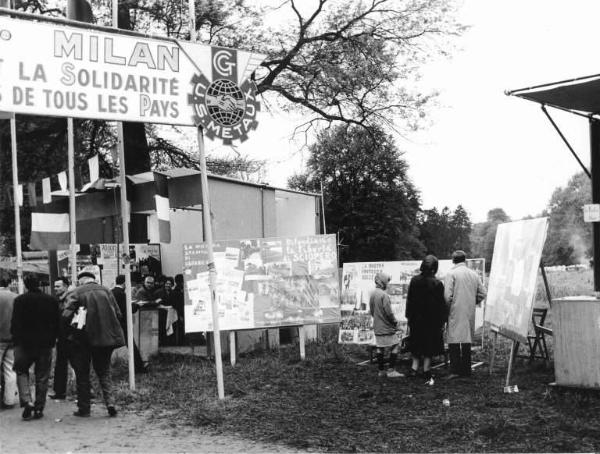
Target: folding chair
537,340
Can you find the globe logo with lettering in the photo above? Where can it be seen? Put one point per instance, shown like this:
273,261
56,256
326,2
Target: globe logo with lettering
224,109
225,102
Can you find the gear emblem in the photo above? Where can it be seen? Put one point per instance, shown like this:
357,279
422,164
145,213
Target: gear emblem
224,109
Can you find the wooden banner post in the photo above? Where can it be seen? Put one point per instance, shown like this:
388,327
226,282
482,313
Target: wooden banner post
302,342
15,180
232,352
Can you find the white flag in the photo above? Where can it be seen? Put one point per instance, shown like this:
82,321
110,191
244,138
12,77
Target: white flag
46,197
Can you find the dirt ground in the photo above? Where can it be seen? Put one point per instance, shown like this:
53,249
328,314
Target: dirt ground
60,431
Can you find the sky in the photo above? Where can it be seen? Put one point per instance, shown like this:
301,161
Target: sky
483,149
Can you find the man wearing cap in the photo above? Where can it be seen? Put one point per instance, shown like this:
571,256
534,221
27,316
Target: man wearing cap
463,290
95,331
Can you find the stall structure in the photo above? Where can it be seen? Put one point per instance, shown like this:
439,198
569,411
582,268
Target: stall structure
581,97
575,330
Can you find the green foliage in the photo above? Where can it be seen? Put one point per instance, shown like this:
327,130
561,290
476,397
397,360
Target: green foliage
369,199
569,239
444,232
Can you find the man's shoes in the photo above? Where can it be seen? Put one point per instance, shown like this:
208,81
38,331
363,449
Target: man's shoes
81,413
412,373
391,373
112,411
27,412
57,396
38,414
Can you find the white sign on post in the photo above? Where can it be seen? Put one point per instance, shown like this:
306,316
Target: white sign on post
91,73
591,213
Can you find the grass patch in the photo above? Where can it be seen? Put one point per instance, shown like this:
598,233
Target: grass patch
329,403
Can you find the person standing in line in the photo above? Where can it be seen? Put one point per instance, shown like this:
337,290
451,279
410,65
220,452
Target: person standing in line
177,300
34,329
164,294
61,363
426,314
93,339
385,326
148,293
8,378
463,290
119,293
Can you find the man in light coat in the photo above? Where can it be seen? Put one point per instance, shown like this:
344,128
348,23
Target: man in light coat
8,377
463,290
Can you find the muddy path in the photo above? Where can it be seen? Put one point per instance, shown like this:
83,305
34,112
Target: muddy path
59,431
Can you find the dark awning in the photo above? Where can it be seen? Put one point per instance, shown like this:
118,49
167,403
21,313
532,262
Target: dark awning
581,95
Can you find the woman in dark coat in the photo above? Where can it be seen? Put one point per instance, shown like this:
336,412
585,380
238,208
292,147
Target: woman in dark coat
426,313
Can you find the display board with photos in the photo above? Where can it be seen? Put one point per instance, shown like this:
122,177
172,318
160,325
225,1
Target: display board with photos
263,283
513,277
144,258
356,326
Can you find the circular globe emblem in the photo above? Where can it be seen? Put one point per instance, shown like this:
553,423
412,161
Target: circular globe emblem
225,102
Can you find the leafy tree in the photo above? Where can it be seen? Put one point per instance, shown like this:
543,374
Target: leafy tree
444,232
369,200
483,235
569,239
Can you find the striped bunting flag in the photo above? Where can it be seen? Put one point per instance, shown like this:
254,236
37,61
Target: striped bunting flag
49,231
162,207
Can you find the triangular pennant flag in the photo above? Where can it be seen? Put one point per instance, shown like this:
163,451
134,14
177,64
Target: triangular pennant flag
94,166
161,198
46,197
62,181
32,194
55,183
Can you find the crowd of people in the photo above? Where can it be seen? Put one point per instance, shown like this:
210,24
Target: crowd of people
431,307
84,324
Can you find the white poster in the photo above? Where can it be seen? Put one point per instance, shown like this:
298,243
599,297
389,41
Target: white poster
513,276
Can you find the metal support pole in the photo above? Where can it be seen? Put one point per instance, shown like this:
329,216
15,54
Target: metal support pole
15,181
323,209
125,229
566,141
212,272
595,166
72,218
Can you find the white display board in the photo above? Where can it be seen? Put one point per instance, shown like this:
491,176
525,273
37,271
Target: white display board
358,282
513,276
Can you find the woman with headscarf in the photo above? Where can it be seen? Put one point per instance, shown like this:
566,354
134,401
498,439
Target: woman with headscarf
426,314
385,326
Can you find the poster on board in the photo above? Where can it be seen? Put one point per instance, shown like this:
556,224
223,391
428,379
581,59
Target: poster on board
513,276
356,326
263,283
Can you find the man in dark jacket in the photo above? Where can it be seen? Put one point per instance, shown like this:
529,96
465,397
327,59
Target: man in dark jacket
119,293
34,329
95,332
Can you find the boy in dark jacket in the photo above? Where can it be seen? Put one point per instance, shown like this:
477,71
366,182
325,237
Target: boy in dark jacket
34,329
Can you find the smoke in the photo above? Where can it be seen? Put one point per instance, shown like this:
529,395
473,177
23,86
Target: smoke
578,256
